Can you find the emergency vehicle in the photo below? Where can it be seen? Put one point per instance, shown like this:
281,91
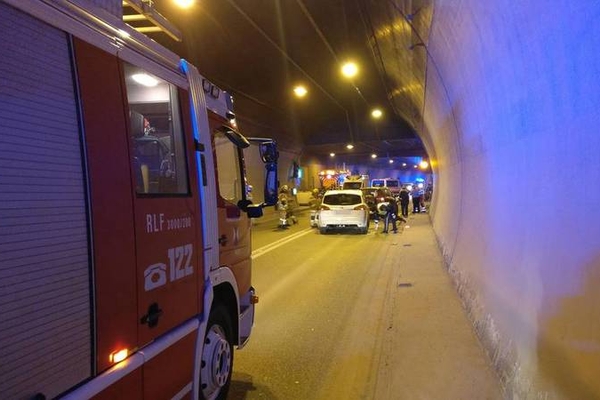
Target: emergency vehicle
125,268
332,179
355,181
392,184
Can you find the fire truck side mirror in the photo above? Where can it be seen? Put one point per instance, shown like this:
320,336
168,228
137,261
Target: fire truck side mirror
271,184
269,155
269,152
253,210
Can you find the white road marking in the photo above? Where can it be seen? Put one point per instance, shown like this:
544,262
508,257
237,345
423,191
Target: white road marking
265,249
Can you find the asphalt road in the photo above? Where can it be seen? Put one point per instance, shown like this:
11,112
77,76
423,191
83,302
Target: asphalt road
326,325
315,291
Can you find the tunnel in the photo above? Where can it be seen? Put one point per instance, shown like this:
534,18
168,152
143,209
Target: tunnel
502,99
508,116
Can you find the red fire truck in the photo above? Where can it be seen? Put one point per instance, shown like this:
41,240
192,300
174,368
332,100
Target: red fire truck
125,268
332,179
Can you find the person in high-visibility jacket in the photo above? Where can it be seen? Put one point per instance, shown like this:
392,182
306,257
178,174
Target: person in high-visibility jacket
285,206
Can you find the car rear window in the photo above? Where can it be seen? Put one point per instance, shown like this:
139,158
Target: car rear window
352,185
392,184
342,199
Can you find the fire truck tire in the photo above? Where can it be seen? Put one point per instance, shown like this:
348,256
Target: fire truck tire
217,355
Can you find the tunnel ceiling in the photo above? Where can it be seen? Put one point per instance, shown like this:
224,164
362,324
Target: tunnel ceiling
258,50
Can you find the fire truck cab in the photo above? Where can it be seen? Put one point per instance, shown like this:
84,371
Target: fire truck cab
125,263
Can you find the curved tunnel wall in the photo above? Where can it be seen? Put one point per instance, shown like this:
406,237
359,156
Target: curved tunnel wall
512,114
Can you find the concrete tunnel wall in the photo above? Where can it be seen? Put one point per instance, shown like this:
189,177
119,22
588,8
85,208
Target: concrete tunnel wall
511,120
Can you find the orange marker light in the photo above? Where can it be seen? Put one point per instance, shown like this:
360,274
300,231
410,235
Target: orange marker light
118,356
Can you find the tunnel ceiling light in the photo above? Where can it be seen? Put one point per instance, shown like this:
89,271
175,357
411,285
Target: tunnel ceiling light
349,69
331,154
391,161
184,3
415,166
349,146
404,164
373,155
376,113
423,164
300,91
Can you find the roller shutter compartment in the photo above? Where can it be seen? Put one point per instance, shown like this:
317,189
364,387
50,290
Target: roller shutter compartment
45,326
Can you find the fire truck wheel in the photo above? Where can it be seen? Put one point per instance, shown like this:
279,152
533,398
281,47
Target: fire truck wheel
322,231
217,355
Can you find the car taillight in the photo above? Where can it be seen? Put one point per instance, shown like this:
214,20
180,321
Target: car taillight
361,207
324,207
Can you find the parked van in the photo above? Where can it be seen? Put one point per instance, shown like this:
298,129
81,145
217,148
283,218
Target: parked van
355,182
393,184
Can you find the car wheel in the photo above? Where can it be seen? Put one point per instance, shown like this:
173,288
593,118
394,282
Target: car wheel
322,231
217,355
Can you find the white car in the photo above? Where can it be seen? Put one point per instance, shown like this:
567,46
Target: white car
343,209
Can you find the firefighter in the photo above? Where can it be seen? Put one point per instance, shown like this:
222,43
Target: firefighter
282,206
285,206
314,203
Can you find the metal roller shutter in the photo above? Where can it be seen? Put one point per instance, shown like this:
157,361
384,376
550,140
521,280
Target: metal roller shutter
45,326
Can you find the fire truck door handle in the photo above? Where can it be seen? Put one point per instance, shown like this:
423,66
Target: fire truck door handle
154,312
223,240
